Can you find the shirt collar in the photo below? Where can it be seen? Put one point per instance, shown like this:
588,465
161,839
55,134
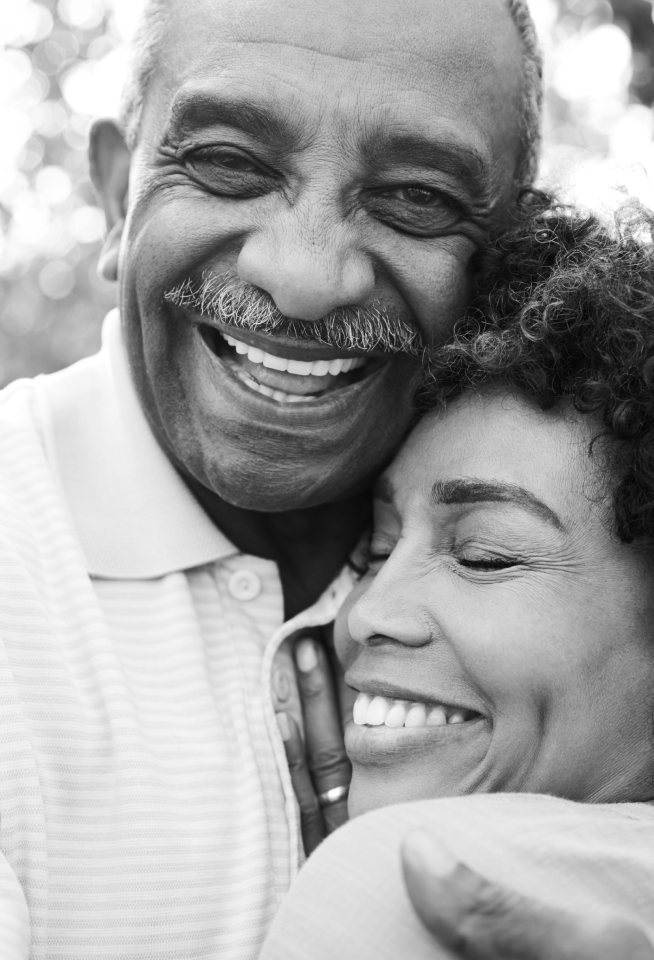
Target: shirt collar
134,516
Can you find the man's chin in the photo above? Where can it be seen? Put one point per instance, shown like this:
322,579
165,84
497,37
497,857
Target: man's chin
261,454
285,486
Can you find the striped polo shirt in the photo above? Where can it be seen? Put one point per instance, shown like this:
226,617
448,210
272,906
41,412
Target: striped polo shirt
146,808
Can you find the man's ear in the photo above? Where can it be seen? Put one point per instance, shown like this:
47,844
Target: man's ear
109,163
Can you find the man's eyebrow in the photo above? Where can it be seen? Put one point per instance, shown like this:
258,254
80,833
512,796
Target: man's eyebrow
191,111
384,491
471,490
439,152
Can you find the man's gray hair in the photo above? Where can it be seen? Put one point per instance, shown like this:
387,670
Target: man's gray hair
149,33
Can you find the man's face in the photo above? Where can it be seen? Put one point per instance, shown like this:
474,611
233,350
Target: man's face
350,154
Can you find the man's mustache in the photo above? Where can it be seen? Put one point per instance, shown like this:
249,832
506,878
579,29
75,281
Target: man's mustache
229,300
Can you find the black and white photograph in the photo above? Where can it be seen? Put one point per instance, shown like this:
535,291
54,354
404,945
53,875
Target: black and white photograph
326,480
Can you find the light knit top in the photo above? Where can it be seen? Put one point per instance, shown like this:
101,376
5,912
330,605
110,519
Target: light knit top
146,809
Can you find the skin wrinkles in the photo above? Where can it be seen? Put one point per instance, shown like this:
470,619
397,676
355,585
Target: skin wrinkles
194,110
328,223
407,155
554,651
349,203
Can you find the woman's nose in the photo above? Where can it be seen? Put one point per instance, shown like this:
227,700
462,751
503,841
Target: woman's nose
307,262
390,610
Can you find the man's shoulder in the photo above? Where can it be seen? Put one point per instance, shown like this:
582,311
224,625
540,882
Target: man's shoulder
31,501
20,423
28,406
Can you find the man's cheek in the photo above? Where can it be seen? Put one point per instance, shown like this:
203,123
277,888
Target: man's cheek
440,286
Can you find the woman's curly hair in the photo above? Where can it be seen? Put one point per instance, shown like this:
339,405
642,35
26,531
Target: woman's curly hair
565,312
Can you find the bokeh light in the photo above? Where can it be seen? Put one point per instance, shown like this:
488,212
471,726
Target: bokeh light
62,63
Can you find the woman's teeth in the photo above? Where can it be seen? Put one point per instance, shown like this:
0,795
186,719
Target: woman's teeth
301,368
382,711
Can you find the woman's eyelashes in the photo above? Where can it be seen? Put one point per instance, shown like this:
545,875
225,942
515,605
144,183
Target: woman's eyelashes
489,562
379,549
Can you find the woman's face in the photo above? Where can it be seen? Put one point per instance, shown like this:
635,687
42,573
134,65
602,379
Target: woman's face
513,627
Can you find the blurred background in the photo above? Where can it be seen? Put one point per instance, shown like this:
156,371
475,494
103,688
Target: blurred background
62,63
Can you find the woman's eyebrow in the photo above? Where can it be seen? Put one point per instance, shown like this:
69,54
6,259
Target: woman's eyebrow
472,490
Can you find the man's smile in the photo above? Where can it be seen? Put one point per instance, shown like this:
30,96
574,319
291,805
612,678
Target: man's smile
279,375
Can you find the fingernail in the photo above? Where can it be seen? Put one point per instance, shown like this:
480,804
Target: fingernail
306,656
426,851
284,726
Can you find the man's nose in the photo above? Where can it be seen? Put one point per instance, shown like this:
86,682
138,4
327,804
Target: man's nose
308,262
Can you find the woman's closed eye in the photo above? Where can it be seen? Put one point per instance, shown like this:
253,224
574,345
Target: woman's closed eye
488,561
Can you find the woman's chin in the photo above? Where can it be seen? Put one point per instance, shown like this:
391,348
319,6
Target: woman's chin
401,765
370,793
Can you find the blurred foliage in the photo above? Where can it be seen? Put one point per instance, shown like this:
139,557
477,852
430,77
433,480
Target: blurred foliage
598,124
62,63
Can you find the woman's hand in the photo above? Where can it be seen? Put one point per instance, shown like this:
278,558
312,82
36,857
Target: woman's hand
477,919
320,771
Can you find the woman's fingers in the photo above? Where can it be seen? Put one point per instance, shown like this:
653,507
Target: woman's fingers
311,822
326,757
477,919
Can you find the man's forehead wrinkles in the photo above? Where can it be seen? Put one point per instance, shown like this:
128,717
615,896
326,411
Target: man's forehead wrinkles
332,54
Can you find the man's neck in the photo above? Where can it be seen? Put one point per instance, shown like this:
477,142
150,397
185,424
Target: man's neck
309,546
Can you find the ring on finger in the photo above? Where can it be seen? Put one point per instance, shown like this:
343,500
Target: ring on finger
329,797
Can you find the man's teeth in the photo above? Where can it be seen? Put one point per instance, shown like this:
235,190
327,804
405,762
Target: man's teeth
279,395
301,368
382,711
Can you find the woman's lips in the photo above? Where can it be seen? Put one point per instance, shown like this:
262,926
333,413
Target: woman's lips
376,711
385,730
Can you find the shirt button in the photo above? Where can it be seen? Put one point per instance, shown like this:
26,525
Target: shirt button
244,585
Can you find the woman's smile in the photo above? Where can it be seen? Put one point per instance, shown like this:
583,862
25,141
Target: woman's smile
373,710
392,727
